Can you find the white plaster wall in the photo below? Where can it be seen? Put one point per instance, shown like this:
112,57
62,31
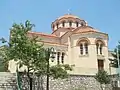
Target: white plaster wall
74,25
67,25
79,25
88,63
55,27
60,25
12,67
61,33
61,49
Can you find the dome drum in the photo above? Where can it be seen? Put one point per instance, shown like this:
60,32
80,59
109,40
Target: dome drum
68,22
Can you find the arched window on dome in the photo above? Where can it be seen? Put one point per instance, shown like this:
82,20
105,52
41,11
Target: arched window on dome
53,26
99,47
82,24
57,25
77,24
70,23
63,24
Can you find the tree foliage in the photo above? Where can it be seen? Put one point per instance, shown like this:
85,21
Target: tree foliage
116,54
25,50
102,77
60,71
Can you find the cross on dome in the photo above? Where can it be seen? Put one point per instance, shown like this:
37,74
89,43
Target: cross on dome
69,11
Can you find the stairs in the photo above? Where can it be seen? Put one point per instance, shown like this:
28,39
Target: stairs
7,81
6,76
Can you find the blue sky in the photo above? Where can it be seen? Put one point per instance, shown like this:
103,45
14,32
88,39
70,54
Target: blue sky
103,15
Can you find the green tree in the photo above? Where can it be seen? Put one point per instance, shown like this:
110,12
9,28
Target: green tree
103,78
3,63
25,50
22,48
116,54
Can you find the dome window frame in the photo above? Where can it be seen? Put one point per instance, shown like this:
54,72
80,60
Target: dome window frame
63,23
77,24
57,25
70,23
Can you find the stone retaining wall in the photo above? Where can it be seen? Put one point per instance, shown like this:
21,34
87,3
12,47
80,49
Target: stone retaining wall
73,82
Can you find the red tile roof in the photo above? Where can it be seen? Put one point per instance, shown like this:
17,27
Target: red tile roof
42,34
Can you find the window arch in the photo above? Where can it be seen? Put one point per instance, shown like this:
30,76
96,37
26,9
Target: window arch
83,43
81,49
53,26
82,23
99,46
77,24
63,24
70,23
86,48
57,25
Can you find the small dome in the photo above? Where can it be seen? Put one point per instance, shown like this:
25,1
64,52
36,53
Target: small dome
68,16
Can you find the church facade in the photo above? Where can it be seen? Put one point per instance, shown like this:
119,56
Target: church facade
76,43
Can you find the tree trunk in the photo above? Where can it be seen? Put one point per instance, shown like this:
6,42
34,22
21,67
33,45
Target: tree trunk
30,83
30,79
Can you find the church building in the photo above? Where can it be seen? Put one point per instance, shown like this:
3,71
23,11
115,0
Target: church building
76,43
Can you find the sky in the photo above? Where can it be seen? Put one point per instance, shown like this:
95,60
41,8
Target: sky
103,15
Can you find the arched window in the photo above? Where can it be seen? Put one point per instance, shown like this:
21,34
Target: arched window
57,25
86,48
63,23
62,57
99,47
58,57
53,26
82,24
70,23
83,43
77,24
81,49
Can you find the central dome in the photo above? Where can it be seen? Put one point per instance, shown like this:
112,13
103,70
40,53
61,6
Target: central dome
68,21
68,16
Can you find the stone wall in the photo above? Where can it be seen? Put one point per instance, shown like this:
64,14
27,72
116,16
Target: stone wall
73,82
84,82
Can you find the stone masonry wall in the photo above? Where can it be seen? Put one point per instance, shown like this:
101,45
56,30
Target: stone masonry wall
73,82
